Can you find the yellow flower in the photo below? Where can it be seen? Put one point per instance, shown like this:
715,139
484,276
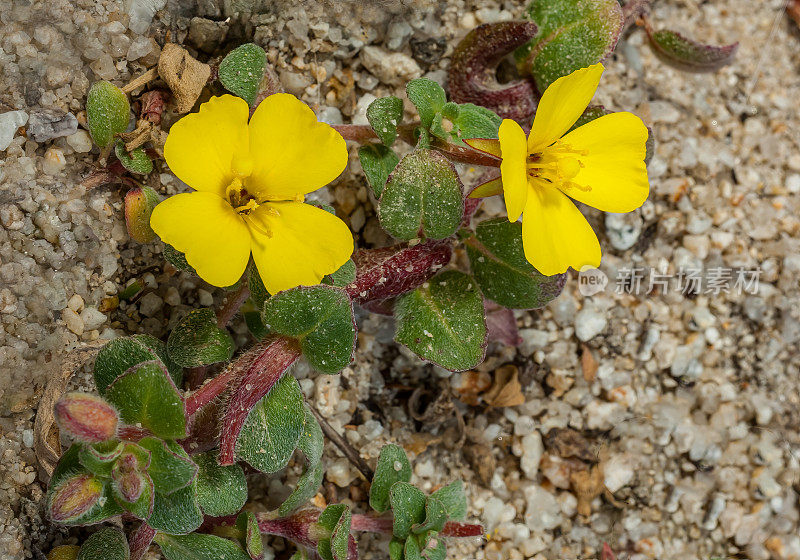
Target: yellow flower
250,181
600,164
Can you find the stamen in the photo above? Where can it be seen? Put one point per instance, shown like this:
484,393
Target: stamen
262,228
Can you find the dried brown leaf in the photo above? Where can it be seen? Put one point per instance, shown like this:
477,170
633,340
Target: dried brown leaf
185,75
506,389
589,364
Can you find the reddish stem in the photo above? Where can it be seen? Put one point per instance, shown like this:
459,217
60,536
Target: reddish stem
233,303
141,541
132,433
214,387
391,271
384,525
260,376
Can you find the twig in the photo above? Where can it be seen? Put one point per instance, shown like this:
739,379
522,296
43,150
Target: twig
148,76
348,450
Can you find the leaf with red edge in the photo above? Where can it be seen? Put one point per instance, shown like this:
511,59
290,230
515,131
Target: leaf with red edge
689,55
472,75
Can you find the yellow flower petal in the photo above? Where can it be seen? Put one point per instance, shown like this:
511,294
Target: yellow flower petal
561,105
293,153
205,227
306,244
555,235
614,168
201,147
513,167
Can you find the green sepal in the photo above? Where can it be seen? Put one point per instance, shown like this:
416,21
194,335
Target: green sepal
176,258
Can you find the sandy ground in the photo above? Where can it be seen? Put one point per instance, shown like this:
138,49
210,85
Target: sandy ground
683,406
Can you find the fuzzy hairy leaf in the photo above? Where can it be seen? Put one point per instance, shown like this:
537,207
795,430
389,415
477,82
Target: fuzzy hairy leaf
321,319
435,517
454,499
443,321
145,395
572,34
423,197
199,546
250,536
136,161
99,458
273,428
121,354
312,440
198,341
498,262
107,112
408,507
170,468
220,490
689,55
177,513
343,276
378,162
393,466
242,70
384,114
428,97
106,544
307,486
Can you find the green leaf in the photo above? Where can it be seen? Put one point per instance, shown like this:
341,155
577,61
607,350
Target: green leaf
312,441
176,258
408,507
106,544
220,490
422,197
435,548
377,161
99,458
457,122
442,321
454,499
121,354
689,55
384,114
591,113
252,318
411,549
307,486
343,276
170,467
396,549
504,275
177,513
435,517
160,349
145,395
107,112
198,341
393,466
428,97
199,546
247,525
336,518
572,34
273,428
139,205
242,70
136,161
258,292
321,319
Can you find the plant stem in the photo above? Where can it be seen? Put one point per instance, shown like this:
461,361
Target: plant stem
233,302
141,541
369,524
349,451
145,78
363,134
277,354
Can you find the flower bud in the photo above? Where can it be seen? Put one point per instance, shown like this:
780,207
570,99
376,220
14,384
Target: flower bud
86,417
75,497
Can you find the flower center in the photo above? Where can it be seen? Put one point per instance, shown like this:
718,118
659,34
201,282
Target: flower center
244,204
558,165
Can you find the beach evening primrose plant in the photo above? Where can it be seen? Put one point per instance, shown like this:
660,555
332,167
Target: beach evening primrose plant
250,181
600,163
